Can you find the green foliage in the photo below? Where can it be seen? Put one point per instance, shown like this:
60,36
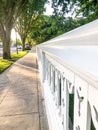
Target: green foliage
47,28
19,42
88,8
16,56
7,8
10,10
22,11
4,64
81,8
28,19
51,26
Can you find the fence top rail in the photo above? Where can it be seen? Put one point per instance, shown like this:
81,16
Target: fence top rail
84,35
77,48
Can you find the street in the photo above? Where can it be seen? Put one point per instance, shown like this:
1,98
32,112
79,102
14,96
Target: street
13,49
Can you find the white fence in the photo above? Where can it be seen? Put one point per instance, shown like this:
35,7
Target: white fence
69,73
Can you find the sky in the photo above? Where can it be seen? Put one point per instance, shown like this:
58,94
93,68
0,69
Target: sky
49,10
13,35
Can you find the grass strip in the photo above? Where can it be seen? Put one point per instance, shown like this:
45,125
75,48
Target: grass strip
4,64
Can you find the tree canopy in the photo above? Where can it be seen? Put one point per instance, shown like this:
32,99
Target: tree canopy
51,26
10,11
60,22
83,8
28,19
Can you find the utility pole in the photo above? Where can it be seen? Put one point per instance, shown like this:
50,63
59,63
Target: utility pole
16,42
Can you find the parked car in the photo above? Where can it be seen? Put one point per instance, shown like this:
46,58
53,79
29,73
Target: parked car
27,47
19,47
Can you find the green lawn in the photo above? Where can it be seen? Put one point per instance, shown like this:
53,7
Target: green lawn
16,56
4,64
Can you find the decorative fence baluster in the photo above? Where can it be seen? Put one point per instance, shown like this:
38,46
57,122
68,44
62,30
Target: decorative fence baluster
53,80
93,101
58,90
61,83
43,68
46,69
65,106
81,108
56,86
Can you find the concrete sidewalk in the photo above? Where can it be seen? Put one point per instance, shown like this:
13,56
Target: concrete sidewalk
21,102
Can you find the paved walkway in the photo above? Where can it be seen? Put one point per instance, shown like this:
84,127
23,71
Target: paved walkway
21,102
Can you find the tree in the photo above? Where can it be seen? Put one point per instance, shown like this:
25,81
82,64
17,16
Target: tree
28,19
84,8
88,8
9,12
42,31
52,26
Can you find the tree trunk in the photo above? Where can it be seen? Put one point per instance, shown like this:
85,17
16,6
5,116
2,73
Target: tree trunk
6,50
5,34
23,38
6,43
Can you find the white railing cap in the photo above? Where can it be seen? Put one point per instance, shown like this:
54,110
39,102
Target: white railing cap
84,35
78,48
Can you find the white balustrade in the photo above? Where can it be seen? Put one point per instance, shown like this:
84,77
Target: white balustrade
71,70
